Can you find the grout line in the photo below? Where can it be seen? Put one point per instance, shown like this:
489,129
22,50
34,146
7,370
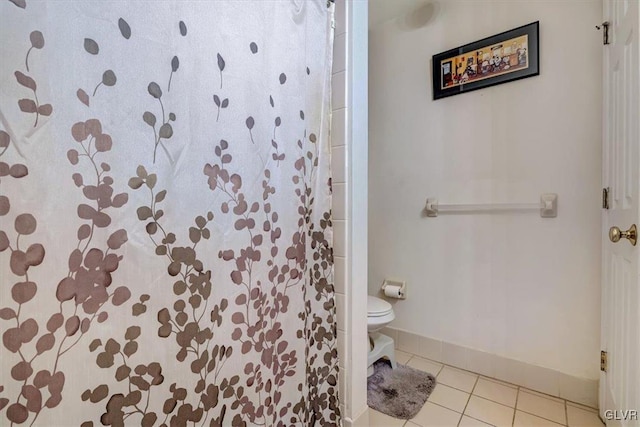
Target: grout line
541,394
469,399
484,422
566,421
429,360
448,409
499,382
442,406
581,406
459,369
540,416
566,414
515,409
495,401
440,371
442,366
519,389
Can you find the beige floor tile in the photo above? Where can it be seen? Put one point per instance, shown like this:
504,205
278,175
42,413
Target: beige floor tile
432,415
379,419
579,417
527,420
489,412
449,397
472,422
425,365
457,379
535,404
402,357
410,424
497,392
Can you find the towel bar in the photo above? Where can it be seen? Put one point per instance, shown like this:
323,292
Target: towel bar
547,206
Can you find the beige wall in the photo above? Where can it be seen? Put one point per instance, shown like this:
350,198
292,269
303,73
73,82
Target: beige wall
514,285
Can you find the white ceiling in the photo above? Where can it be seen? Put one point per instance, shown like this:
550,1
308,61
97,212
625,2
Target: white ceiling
384,10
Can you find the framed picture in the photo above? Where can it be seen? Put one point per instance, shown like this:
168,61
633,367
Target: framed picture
502,58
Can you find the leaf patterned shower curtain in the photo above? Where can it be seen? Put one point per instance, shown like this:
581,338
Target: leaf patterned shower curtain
166,244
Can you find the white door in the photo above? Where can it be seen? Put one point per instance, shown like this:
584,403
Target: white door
620,385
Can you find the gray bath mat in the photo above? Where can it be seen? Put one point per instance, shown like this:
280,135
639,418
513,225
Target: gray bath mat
399,392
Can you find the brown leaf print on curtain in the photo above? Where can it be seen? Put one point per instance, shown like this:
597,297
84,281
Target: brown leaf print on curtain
125,29
264,300
175,64
20,3
191,319
220,103
164,130
140,380
233,318
109,78
28,105
15,171
37,42
257,399
83,294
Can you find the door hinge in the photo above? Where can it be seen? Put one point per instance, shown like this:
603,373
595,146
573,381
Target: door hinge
605,198
605,32
603,361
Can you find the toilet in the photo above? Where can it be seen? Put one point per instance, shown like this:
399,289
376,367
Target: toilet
379,314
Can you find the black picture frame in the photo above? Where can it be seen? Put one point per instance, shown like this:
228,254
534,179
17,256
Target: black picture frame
505,57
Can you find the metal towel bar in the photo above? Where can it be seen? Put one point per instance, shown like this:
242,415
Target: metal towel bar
547,206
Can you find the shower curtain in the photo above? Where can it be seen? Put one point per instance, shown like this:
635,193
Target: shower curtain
166,246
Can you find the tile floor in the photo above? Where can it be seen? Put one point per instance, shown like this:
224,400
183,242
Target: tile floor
465,399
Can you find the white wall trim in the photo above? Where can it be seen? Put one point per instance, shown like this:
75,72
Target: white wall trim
361,420
538,378
357,228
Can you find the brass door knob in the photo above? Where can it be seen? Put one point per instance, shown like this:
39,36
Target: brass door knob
615,234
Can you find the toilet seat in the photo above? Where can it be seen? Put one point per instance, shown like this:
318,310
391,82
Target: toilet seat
377,307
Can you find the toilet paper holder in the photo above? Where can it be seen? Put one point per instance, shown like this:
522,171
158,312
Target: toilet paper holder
394,289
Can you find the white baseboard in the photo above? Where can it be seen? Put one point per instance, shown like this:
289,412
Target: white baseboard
544,380
361,420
